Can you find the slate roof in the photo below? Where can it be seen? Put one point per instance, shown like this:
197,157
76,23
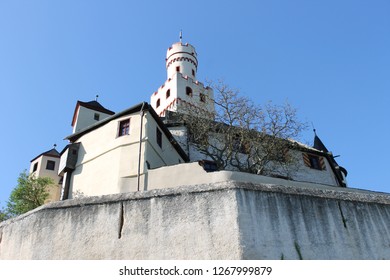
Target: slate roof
93,105
50,153
318,143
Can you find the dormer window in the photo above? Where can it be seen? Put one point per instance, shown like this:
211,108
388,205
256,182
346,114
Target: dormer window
314,161
189,91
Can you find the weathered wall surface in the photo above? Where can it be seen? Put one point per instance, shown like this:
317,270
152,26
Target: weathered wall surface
193,223
228,220
331,223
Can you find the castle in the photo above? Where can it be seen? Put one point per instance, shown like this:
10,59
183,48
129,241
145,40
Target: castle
145,192
133,150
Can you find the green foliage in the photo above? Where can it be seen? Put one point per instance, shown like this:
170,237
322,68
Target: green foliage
30,193
3,215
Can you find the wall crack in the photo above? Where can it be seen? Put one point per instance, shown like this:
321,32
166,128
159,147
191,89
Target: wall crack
121,220
342,215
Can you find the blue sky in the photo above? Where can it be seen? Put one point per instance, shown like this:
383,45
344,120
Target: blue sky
329,59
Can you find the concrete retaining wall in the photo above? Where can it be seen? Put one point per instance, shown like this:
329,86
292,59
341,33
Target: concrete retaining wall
230,220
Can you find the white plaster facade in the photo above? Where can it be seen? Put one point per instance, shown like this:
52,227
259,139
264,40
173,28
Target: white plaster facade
88,113
108,162
181,89
46,165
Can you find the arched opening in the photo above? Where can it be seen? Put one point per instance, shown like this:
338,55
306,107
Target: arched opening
189,91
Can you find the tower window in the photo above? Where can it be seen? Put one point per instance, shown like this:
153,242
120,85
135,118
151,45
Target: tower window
202,97
177,68
168,93
50,165
159,137
158,103
189,91
124,127
193,72
35,167
96,117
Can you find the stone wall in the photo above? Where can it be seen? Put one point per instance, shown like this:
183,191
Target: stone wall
229,220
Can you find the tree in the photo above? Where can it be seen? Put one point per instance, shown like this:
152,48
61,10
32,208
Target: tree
3,215
245,136
30,193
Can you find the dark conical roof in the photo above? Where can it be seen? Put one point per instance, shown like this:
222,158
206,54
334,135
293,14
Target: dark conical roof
318,143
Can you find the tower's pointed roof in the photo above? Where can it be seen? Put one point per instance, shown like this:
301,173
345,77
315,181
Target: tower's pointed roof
318,143
51,153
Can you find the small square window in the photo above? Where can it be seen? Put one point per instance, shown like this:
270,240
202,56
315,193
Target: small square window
50,165
159,137
202,97
177,68
124,127
96,117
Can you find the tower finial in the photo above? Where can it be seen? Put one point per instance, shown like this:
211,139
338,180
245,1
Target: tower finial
181,35
96,97
314,129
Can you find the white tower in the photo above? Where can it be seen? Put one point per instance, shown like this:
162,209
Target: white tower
181,90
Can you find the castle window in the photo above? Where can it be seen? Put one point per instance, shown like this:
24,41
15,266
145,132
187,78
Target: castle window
159,137
124,127
189,91
50,165
177,68
96,117
202,97
35,167
314,162
168,93
193,72
158,103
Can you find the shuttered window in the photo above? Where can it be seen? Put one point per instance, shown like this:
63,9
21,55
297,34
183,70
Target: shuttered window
314,162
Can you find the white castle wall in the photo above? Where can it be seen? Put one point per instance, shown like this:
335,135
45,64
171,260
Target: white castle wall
228,220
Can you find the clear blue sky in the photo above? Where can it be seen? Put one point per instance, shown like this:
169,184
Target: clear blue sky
330,59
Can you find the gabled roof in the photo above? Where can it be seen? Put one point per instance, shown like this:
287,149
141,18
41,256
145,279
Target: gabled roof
144,106
50,153
93,105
